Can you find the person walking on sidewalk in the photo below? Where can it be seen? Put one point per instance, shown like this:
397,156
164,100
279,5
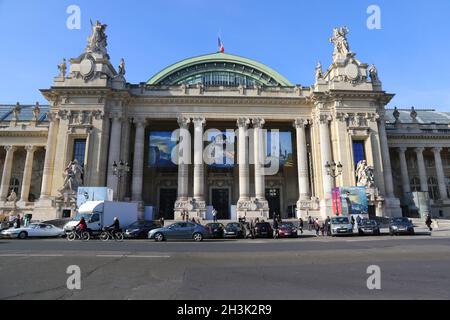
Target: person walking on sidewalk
429,222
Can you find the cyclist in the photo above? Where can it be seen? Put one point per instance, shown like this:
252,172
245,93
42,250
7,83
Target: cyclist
81,226
115,227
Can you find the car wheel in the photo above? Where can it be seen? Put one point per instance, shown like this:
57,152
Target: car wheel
159,237
23,235
198,237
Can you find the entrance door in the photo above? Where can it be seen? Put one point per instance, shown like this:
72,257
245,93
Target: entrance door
221,202
167,199
273,196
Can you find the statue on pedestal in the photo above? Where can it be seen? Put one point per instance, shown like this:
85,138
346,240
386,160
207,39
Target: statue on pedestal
62,67
373,73
72,178
122,70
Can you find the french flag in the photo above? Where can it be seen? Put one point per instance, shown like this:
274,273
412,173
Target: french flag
221,46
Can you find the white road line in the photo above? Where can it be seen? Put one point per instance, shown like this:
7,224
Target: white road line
109,256
149,257
31,255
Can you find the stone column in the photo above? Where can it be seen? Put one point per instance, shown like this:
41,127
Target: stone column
243,156
114,152
260,186
440,173
49,161
199,169
422,170
406,185
302,160
386,157
27,173
138,161
326,154
7,170
183,159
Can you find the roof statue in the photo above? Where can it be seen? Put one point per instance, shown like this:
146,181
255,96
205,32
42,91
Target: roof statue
97,42
122,70
62,67
341,46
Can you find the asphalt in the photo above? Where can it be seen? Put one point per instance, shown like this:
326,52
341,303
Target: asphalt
306,268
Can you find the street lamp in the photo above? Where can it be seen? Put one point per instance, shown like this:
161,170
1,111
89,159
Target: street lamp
334,170
120,170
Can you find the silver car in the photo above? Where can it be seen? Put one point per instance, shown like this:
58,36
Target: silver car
180,231
341,226
35,230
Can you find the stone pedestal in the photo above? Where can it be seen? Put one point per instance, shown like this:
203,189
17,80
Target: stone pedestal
392,208
195,209
253,208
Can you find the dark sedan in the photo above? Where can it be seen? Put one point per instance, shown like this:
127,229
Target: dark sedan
140,229
287,230
217,230
369,227
234,230
263,230
398,226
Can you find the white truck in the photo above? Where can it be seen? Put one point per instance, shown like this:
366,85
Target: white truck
100,214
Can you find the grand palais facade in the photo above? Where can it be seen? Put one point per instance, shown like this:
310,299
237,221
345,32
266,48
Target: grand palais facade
96,117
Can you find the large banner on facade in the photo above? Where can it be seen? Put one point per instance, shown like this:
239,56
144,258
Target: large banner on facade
350,201
86,194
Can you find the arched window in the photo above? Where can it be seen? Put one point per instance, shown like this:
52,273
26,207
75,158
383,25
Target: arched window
433,188
14,185
415,184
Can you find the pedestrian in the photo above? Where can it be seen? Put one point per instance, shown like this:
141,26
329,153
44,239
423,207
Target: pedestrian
429,222
300,225
328,226
17,222
358,220
275,227
353,222
187,216
252,228
317,227
214,214
161,221
193,220
310,223
257,220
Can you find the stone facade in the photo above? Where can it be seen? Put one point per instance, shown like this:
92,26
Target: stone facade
94,104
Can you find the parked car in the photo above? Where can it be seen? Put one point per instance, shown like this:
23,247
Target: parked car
234,230
369,227
263,230
217,230
398,226
341,226
180,231
35,230
140,229
287,230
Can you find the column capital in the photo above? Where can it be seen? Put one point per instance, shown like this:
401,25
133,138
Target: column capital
324,118
243,122
30,149
402,149
437,150
116,116
183,122
300,123
140,122
258,123
419,150
10,148
199,121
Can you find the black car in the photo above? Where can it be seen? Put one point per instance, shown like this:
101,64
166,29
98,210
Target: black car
263,230
140,229
398,226
368,227
217,230
234,230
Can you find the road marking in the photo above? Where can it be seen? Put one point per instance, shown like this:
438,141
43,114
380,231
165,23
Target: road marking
150,257
31,255
109,256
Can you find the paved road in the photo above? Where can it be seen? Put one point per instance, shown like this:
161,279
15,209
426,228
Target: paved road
309,268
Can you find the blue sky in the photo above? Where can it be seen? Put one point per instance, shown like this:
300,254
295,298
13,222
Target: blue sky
411,51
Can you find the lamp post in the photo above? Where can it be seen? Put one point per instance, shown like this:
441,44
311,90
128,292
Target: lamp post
120,170
334,170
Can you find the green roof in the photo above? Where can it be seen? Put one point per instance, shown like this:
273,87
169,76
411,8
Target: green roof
219,58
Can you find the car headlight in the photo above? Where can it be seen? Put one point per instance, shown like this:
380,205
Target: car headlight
394,227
